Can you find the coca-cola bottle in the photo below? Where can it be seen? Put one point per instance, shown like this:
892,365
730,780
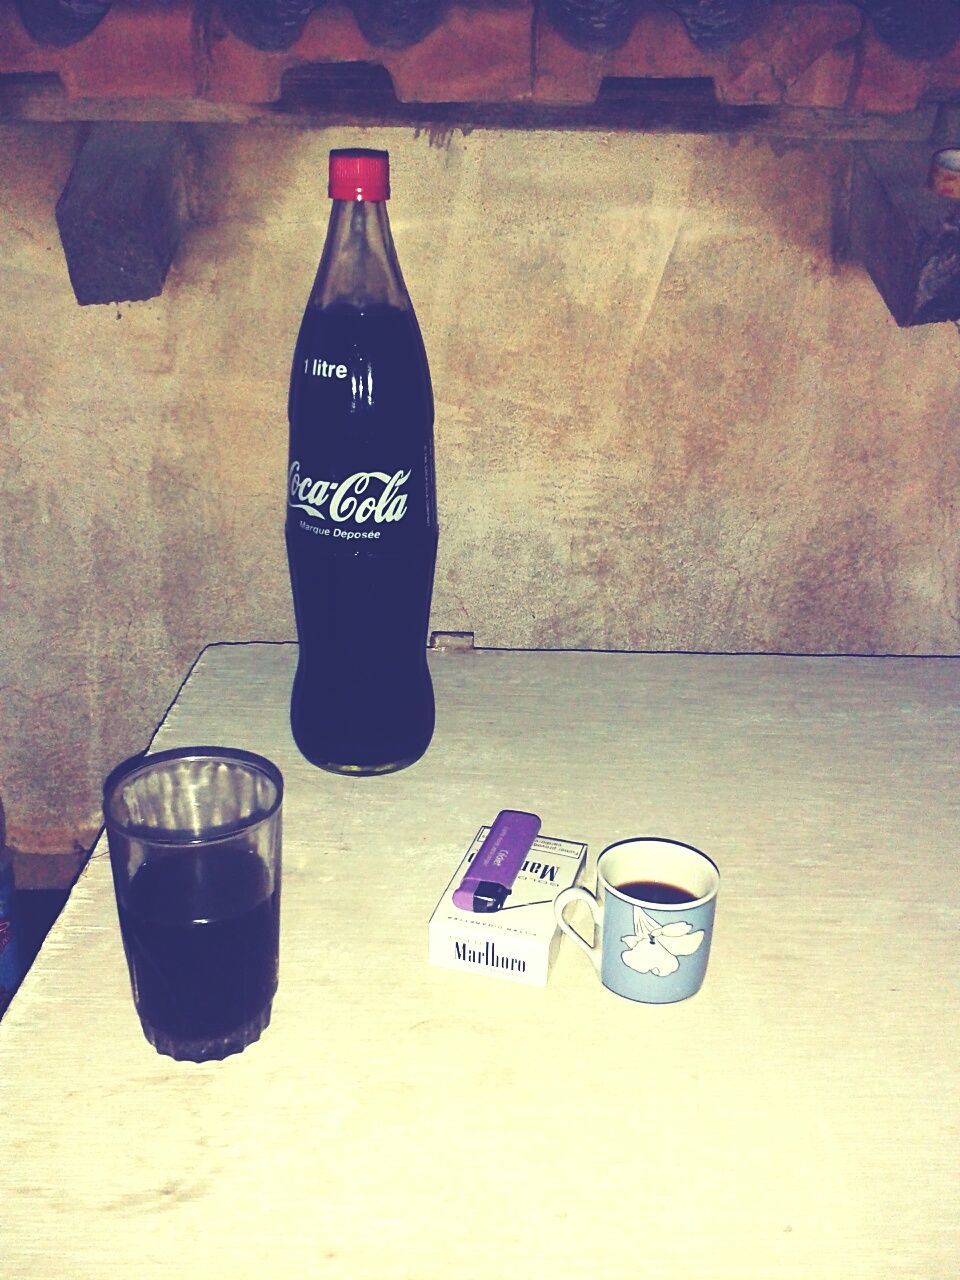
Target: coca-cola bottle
361,525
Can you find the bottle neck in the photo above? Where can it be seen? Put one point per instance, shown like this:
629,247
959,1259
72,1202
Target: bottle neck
359,265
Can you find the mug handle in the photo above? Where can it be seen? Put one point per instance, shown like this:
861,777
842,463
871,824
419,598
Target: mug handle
576,893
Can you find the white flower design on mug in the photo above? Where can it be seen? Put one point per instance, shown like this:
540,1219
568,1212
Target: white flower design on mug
654,947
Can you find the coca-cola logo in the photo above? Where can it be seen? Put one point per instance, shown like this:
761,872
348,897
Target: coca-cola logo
363,496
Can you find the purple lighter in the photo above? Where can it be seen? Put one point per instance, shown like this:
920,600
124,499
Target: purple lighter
490,876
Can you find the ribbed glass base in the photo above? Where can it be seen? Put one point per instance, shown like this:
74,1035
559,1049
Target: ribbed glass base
212,1048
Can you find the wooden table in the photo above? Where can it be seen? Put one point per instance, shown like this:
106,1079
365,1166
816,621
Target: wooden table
800,1117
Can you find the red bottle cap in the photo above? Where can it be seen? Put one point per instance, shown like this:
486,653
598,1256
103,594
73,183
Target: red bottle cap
359,175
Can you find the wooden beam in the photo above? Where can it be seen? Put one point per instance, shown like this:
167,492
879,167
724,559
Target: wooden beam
906,237
123,210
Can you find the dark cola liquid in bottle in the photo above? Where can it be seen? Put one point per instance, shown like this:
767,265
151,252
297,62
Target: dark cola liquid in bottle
361,524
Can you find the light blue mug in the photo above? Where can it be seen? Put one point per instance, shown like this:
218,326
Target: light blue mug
653,910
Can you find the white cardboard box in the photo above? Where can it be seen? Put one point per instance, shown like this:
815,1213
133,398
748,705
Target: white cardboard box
520,941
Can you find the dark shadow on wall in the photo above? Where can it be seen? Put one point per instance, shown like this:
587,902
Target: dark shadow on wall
34,913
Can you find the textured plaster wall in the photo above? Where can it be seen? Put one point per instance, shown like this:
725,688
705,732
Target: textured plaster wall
664,421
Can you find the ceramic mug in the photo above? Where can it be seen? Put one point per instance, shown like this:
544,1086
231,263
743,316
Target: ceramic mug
653,910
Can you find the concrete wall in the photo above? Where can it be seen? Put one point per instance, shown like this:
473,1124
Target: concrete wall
665,420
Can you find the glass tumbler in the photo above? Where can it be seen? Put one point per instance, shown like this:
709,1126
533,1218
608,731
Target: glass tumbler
194,838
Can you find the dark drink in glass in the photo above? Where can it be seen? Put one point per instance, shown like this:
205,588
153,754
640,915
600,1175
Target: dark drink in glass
194,840
201,933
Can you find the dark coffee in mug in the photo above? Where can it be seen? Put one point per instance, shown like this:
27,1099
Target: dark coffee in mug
655,891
